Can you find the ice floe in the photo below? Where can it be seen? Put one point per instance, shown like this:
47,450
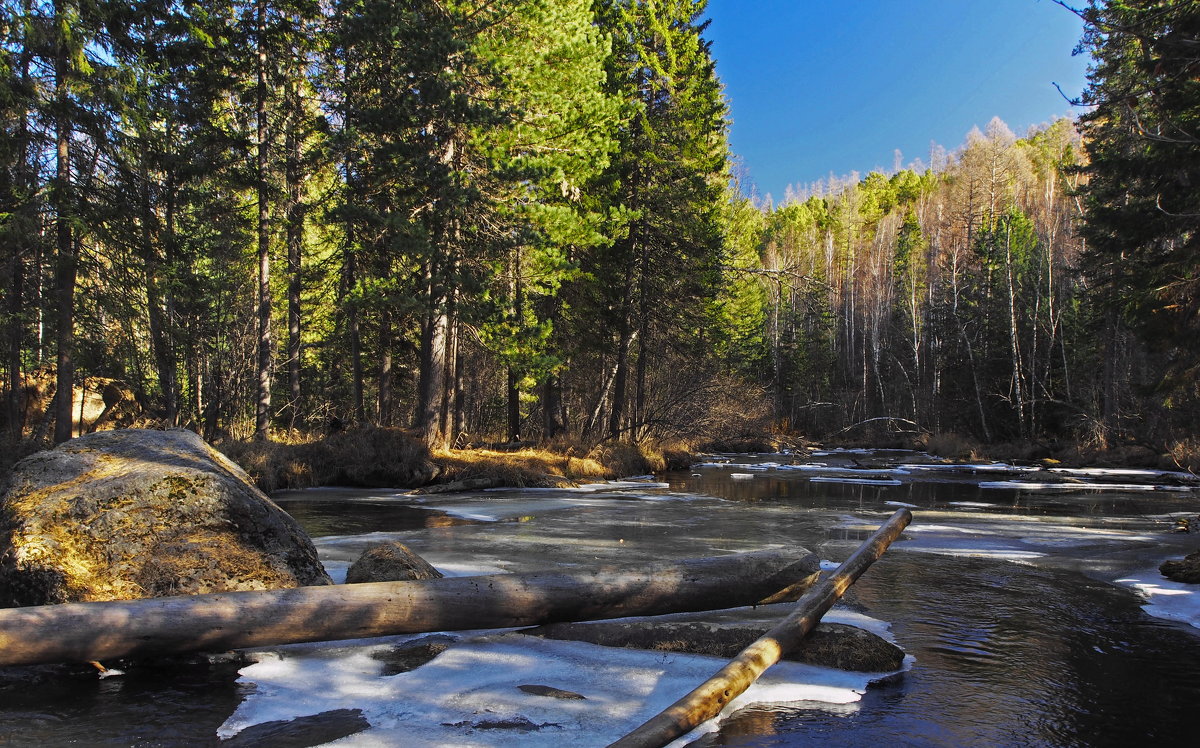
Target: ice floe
1175,601
856,481
469,694
1036,486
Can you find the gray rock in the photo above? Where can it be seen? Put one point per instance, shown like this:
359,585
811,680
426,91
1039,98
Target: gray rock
829,644
390,562
136,513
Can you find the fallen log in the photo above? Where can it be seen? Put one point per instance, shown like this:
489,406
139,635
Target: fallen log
709,698
84,632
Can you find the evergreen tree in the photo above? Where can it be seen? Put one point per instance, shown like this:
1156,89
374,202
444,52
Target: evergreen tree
669,173
1143,144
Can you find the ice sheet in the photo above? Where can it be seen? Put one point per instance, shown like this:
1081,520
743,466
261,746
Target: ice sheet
1165,598
1035,486
857,481
465,695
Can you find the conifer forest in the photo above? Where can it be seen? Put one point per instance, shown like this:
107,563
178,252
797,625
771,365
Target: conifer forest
520,220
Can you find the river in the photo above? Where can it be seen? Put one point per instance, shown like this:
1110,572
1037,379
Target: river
1014,596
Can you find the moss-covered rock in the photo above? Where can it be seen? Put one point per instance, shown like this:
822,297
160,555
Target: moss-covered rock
137,513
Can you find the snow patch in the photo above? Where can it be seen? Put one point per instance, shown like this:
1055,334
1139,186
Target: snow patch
1174,601
475,683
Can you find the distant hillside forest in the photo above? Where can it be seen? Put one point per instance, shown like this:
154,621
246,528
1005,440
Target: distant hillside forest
515,220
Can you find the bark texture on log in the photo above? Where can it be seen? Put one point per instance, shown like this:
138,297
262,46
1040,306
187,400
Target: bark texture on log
80,632
709,698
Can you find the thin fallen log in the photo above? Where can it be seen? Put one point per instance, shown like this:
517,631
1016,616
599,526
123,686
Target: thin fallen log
99,631
708,699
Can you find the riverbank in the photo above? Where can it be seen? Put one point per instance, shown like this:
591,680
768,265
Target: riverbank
379,457
375,457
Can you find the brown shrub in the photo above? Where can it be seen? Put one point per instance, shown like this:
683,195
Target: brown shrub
953,446
1185,455
367,456
624,458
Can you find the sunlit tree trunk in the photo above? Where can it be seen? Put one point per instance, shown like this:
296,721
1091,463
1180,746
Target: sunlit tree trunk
262,410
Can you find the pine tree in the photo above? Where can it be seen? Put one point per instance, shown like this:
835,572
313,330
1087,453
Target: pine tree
669,175
1143,143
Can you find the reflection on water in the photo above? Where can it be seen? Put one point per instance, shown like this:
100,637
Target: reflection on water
333,517
999,594
1006,655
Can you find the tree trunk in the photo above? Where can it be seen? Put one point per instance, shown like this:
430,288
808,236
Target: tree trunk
355,333
432,381
295,241
24,214
624,343
67,262
82,632
384,401
514,407
262,409
708,699
164,357
553,422
460,414
16,426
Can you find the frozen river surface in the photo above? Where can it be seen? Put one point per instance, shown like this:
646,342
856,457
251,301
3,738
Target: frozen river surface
1027,600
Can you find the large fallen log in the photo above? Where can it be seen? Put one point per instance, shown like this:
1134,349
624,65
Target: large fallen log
709,698
82,632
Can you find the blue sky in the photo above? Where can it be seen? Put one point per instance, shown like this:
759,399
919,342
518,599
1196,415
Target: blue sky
820,87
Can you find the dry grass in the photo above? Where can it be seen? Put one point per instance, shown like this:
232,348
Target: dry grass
523,468
391,457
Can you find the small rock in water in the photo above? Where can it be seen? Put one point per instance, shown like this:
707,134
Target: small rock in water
1187,524
413,654
390,562
522,724
1186,570
552,692
314,729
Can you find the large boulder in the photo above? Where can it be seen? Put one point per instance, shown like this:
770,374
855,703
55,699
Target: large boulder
138,513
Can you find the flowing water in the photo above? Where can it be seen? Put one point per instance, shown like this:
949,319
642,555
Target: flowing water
1005,597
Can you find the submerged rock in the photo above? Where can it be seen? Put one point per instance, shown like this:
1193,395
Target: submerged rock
832,645
411,655
552,692
301,732
1185,570
390,562
137,513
